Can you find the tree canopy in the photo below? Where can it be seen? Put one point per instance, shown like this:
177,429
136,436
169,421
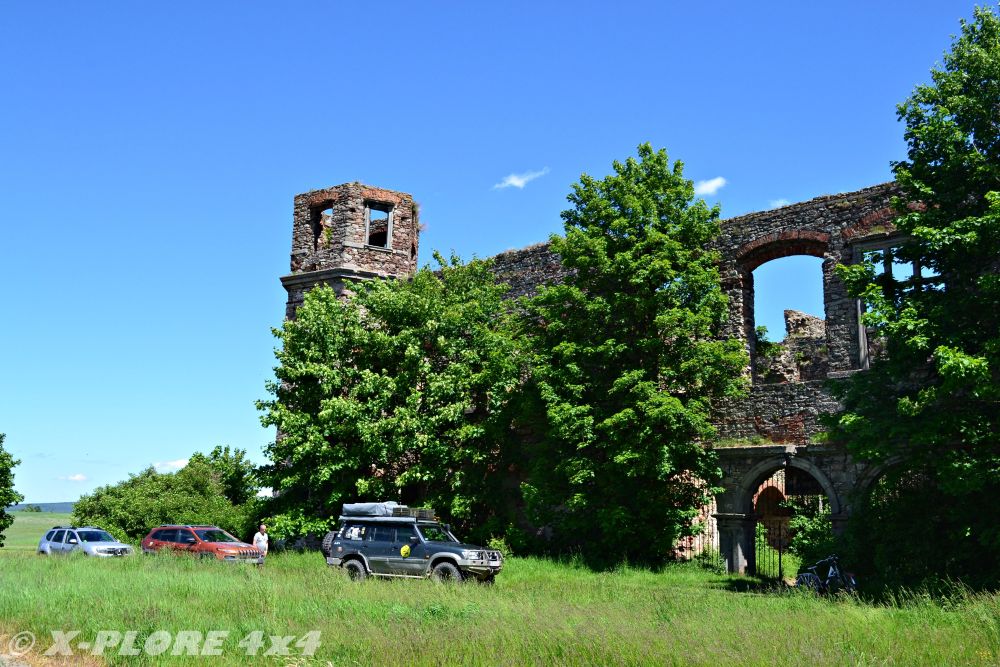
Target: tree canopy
627,363
192,495
400,391
8,496
931,403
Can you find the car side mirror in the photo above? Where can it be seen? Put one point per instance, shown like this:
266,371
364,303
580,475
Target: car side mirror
72,540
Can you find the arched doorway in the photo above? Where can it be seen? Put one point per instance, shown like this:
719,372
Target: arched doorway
778,496
780,504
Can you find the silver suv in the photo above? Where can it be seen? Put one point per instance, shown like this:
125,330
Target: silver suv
88,539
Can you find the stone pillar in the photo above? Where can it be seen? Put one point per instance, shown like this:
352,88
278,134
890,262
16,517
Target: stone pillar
838,522
736,542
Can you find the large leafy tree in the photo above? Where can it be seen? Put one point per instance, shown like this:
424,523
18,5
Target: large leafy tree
932,402
192,495
235,472
401,391
628,362
8,496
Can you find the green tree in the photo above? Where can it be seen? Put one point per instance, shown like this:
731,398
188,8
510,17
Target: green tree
628,361
192,495
398,392
237,474
932,402
8,496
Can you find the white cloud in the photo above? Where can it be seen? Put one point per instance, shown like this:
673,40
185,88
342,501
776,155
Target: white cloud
76,477
170,466
709,187
520,180
778,203
265,492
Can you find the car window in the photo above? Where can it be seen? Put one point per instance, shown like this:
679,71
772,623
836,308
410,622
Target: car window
184,536
165,535
404,533
70,535
355,531
95,536
383,533
436,533
215,535
48,535
58,537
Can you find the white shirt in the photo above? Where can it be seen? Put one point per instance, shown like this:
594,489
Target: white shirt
260,541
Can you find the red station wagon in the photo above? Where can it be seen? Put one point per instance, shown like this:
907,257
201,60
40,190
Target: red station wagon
204,541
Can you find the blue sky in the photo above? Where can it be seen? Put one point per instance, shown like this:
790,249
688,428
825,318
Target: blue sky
149,154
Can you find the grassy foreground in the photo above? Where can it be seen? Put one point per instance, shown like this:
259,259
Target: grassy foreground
538,612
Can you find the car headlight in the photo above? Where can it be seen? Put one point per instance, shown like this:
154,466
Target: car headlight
472,555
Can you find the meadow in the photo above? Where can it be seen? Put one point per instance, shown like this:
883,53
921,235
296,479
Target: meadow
538,612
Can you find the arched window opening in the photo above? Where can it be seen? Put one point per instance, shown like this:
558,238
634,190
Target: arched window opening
786,323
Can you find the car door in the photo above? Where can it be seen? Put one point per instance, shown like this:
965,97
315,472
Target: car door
378,545
162,539
72,541
56,543
406,554
184,540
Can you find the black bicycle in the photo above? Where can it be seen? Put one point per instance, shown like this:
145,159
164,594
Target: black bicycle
836,579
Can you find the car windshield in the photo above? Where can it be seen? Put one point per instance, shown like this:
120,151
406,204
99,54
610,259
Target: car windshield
215,535
95,536
436,533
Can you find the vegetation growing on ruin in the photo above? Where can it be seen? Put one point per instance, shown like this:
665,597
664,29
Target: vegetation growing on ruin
929,407
578,414
627,363
404,391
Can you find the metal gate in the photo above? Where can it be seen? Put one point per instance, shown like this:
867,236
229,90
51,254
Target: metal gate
776,501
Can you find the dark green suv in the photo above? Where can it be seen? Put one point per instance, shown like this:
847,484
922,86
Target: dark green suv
385,542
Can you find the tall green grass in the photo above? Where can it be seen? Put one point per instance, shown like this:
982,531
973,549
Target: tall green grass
539,612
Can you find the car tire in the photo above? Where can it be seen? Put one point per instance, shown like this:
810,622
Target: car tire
446,572
487,581
326,546
355,570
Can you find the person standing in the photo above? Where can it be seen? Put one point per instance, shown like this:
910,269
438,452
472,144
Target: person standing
260,541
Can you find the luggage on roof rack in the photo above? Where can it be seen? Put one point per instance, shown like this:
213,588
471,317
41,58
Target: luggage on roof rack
369,509
389,508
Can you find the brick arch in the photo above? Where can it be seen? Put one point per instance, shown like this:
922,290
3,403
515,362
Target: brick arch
781,244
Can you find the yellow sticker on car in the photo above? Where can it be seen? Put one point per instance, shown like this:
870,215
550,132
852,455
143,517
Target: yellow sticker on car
405,551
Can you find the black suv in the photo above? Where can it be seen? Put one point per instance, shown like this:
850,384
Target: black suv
388,540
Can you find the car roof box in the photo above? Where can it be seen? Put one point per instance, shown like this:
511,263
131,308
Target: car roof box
370,509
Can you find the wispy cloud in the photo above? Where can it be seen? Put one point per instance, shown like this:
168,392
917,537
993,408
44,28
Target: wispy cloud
520,180
76,477
778,203
170,466
709,187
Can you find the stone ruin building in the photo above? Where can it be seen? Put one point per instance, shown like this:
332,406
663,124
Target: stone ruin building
354,231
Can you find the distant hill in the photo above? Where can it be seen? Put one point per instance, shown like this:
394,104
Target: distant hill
63,508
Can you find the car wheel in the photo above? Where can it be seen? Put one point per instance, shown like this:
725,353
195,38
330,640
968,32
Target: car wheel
487,581
326,546
355,570
446,572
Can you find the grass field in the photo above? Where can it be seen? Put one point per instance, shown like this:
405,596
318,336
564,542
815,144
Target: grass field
539,612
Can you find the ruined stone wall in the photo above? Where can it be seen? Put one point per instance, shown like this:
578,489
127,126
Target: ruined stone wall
527,268
333,242
330,245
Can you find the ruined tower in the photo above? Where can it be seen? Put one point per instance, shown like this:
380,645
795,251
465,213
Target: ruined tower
350,232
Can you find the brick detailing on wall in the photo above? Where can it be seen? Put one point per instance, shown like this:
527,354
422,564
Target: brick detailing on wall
826,227
528,268
330,238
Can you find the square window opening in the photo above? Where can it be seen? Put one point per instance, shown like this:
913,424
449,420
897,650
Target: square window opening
378,225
